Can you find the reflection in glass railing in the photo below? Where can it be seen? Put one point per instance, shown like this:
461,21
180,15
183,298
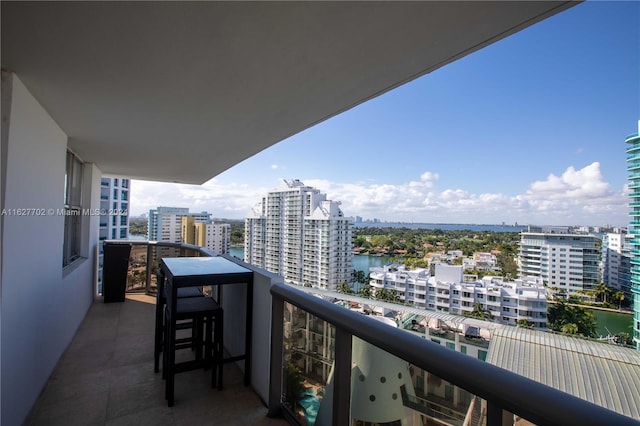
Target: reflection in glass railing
308,357
385,389
141,255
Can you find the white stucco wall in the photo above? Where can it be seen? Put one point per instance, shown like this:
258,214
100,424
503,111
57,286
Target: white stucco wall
42,305
234,319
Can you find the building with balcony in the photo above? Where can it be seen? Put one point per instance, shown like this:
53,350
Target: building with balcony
114,208
616,262
211,235
633,160
299,234
485,262
165,224
506,302
566,262
205,86
114,215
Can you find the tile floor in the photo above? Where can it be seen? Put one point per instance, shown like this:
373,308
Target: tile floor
106,378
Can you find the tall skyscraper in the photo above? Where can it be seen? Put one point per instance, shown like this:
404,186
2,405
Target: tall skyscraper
297,233
633,160
566,262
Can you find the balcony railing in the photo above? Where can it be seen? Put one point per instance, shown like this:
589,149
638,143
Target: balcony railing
338,398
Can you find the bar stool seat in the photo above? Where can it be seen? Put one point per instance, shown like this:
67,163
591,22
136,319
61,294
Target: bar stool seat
207,314
161,300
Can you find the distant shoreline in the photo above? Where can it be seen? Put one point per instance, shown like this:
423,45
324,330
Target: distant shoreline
597,308
442,226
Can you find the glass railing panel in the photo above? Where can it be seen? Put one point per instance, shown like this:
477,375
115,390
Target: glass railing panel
387,390
137,273
308,358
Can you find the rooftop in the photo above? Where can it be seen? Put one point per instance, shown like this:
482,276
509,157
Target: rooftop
601,373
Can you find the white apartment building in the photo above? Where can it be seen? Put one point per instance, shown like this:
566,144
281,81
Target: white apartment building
411,285
214,236
114,215
114,208
297,233
565,262
616,261
482,262
446,291
165,223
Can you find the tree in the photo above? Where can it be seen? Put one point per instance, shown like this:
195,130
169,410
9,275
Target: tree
344,288
618,297
393,297
507,265
560,314
569,328
524,323
366,291
416,262
387,295
360,276
602,291
479,312
293,385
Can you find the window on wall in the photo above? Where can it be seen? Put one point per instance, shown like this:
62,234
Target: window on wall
73,208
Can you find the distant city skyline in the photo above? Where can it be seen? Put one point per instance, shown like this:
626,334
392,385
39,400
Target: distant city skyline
530,130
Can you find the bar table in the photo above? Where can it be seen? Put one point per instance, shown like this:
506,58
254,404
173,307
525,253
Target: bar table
213,271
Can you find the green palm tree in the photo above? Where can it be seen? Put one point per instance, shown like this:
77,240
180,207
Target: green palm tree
569,328
479,312
366,291
344,288
619,297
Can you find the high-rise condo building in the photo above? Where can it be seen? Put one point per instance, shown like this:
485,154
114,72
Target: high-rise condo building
566,262
165,223
214,236
616,262
633,159
114,208
114,215
297,233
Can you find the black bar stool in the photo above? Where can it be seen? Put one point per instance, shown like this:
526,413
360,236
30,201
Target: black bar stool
205,313
161,300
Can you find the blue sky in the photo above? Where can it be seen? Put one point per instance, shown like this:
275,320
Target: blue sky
530,129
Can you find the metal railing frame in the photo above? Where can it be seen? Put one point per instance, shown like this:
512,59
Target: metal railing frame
202,251
502,389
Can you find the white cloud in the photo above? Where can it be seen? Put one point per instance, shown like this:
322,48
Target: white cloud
575,197
428,176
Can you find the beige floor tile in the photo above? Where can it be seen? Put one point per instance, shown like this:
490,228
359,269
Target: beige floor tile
106,378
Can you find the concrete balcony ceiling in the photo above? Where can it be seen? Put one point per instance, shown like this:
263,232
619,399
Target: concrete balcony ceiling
181,91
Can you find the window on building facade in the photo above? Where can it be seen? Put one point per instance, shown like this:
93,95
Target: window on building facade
73,208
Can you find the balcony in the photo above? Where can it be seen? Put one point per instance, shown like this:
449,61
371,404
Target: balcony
106,375
126,141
